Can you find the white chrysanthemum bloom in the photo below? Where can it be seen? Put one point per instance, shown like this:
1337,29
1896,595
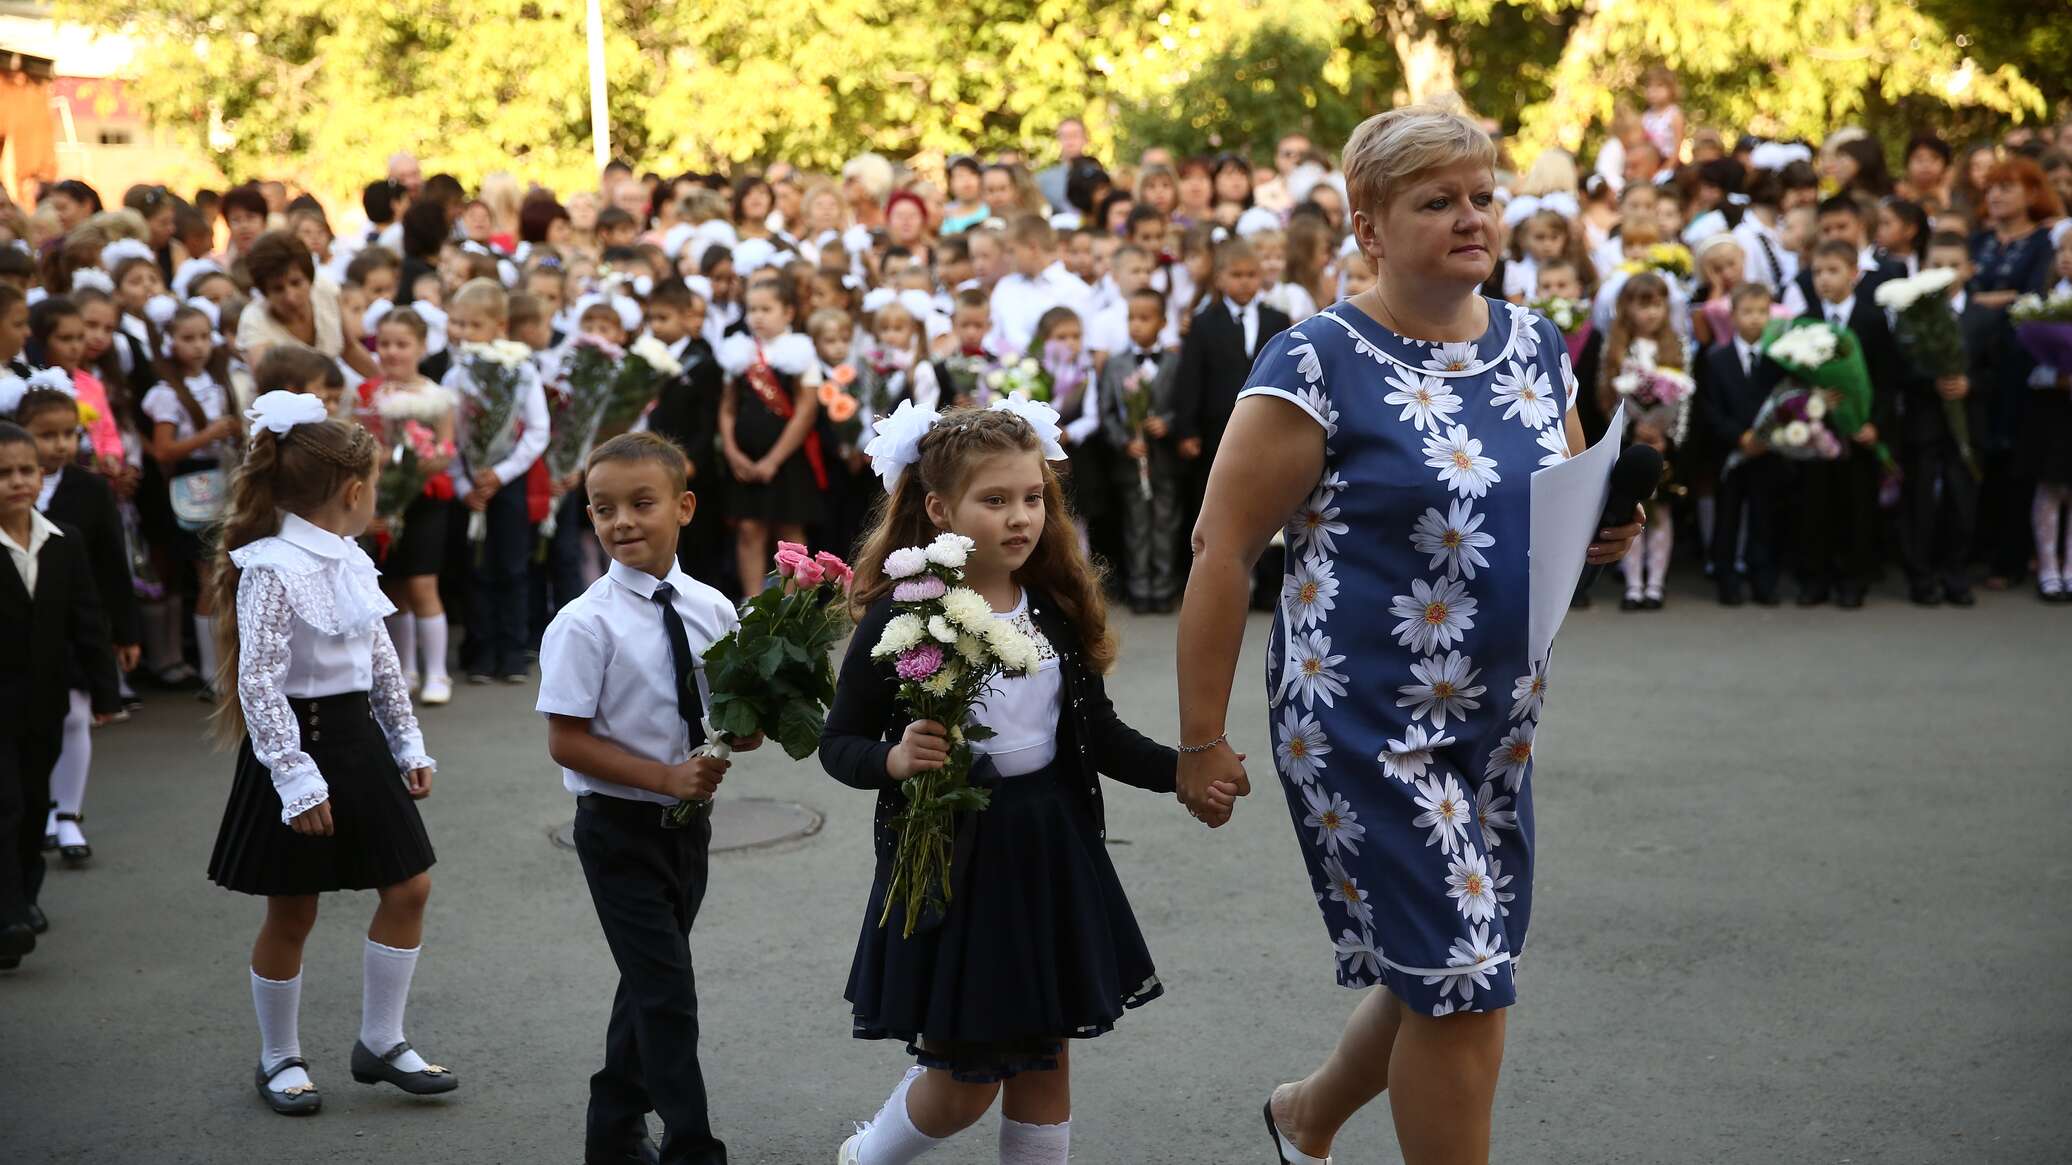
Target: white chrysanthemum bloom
1312,591
901,632
1511,755
940,630
1555,441
943,680
972,651
950,550
1316,526
1461,465
1434,615
1407,759
1529,692
906,562
1797,433
657,356
1315,678
1453,357
1337,826
1816,406
1345,889
1454,539
1302,746
968,609
1446,813
1491,814
1528,395
1445,688
1427,400
1468,884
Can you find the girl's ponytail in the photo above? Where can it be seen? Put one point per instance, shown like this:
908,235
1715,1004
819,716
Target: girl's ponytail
293,472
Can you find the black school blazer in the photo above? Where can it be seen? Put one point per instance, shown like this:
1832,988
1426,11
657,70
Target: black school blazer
46,636
865,723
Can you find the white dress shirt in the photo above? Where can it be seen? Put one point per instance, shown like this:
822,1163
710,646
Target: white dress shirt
309,625
606,659
41,530
1745,351
162,405
1023,711
1247,317
1019,301
533,419
1838,313
1762,245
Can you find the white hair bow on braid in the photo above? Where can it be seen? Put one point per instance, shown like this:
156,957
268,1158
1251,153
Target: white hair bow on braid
1525,206
279,411
877,299
208,309
1257,220
1777,155
121,249
898,440
13,388
624,307
93,277
188,272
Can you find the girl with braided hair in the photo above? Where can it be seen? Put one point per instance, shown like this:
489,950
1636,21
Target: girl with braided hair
330,760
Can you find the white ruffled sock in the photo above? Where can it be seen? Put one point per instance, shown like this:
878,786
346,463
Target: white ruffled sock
431,641
402,629
278,1003
1026,1144
205,644
384,991
892,1138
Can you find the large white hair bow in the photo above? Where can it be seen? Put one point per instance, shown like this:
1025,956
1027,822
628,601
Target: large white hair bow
1040,417
193,269
121,249
1525,206
701,287
92,277
753,255
877,299
1257,220
159,310
280,411
13,388
1777,155
898,441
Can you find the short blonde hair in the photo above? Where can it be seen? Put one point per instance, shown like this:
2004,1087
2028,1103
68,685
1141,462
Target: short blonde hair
1391,147
486,296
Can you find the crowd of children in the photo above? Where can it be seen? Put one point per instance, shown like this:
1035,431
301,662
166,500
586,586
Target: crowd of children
202,397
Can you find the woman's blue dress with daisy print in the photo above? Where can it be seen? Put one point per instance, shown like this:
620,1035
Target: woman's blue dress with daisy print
1402,702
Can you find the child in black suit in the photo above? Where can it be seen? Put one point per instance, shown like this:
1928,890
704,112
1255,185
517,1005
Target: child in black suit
1151,494
77,498
687,413
1739,380
1225,333
50,625
1838,533
1939,502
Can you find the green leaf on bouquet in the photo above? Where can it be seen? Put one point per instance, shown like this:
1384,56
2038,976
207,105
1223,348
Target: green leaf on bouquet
770,655
978,732
798,729
738,719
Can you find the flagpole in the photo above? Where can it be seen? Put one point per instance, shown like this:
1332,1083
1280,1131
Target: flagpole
600,117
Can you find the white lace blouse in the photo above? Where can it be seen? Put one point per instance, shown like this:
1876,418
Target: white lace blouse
1023,711
309,625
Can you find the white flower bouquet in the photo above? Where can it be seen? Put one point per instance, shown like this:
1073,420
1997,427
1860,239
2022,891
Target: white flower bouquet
492,411
1656,392
646,367
1927,331
2043,324
1025,375
946,648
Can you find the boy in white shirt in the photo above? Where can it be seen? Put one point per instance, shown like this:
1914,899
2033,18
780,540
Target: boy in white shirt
1038,283
481,314
624,695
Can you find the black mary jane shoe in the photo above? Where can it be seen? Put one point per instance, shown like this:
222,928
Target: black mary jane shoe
641,1152
75,857
369,1068
39,922
301,1100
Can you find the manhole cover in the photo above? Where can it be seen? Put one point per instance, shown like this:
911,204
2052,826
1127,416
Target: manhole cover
738,823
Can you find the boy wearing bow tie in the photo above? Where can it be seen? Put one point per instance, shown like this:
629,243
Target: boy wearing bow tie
1148,474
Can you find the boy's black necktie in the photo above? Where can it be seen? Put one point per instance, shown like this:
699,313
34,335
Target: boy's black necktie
689,703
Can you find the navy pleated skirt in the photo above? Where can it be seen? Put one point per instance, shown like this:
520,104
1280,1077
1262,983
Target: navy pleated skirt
1037,945
377,837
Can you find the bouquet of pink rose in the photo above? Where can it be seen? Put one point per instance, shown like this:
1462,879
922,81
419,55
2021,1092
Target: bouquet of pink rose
1136,410
1656,392
771,675
946,648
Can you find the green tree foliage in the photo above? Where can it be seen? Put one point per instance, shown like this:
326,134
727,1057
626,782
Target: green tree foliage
320,90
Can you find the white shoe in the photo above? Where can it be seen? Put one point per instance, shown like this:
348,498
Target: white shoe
410,682
437,690
852,1149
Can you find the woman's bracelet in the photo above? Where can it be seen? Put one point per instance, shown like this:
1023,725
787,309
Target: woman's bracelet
1209,747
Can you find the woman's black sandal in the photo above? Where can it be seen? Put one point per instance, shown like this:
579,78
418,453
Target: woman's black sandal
301,1100
369,1068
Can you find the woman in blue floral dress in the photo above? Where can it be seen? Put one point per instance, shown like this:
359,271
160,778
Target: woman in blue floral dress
1401,697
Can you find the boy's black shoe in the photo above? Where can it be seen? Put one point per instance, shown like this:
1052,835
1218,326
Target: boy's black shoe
1142,606
1730,595
1767,597
643,1153
1849,598
1813,597
39,922
1959,597
1925,595
478,678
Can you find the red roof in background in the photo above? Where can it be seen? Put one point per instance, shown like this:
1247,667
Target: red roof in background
101,98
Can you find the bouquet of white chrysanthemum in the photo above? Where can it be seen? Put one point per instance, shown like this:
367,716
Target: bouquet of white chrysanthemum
491,412
1927,331
2044,326
647,366
1025,375
947,648
1567,314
